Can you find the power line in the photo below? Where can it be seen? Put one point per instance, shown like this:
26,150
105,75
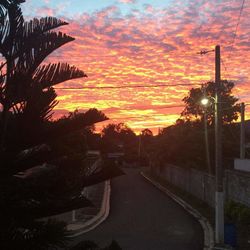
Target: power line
224,65
127,86
132,55
236,28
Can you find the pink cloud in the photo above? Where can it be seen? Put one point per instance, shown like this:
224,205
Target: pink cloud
46,11
127,1
159,47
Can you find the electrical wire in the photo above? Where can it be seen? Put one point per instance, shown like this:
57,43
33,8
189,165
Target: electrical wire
236,29
224,65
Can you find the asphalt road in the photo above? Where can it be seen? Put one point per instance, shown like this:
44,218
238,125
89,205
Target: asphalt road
143,218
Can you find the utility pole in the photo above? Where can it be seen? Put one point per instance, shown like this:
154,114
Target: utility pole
207,143
242,131
206,131
219,195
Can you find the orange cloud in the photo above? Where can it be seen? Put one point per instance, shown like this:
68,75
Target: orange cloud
156,47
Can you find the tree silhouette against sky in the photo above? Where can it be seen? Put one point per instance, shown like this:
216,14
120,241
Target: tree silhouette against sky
42,171
26,83
194,108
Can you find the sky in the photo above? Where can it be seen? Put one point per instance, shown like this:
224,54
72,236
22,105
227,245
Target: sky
140,42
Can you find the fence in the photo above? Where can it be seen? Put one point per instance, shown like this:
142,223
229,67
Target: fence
202,185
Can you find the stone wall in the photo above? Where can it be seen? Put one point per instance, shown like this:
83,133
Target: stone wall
202,185
238,186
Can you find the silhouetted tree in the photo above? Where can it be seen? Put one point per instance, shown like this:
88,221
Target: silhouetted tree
146,144
194,109
25,84
117,137
181,144
37,177
146,132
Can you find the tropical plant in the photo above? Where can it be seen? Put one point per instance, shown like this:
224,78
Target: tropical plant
26,84
38,177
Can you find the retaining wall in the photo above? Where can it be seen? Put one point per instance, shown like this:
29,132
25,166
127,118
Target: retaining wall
202,185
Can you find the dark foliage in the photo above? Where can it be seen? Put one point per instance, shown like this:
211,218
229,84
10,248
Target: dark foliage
25,84
43,167
120,138
183,143
146,146
228,102
90,245
32,235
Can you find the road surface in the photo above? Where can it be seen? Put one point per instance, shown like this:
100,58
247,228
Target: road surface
143,218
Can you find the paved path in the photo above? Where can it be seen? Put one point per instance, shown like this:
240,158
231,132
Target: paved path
143,218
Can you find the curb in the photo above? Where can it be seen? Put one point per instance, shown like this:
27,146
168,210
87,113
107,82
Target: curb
99,218
207,228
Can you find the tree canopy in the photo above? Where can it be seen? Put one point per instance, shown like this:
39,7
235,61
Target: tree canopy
118,133
194,108
25,83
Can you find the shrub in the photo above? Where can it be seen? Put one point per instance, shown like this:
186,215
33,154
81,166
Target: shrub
237,213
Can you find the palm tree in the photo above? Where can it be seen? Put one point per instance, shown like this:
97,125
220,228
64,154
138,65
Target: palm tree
26,83
38,178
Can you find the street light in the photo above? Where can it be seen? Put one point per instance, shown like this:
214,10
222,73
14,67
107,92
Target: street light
204,101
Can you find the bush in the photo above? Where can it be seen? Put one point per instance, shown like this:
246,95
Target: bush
237,213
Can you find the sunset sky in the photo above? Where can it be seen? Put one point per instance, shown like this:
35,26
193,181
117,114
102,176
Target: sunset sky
137,42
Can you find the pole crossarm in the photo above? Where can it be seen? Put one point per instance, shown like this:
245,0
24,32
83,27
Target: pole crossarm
203,52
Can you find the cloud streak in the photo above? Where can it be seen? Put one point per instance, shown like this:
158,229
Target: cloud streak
127,1
153,46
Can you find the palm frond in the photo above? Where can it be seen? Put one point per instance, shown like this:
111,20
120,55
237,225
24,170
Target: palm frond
107,171
38,26
15,30
7,3
51,74
26,65
32,54
19,87
4,27
38,106
31,32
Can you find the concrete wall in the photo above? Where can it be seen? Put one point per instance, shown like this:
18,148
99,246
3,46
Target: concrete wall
238,186
202,185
